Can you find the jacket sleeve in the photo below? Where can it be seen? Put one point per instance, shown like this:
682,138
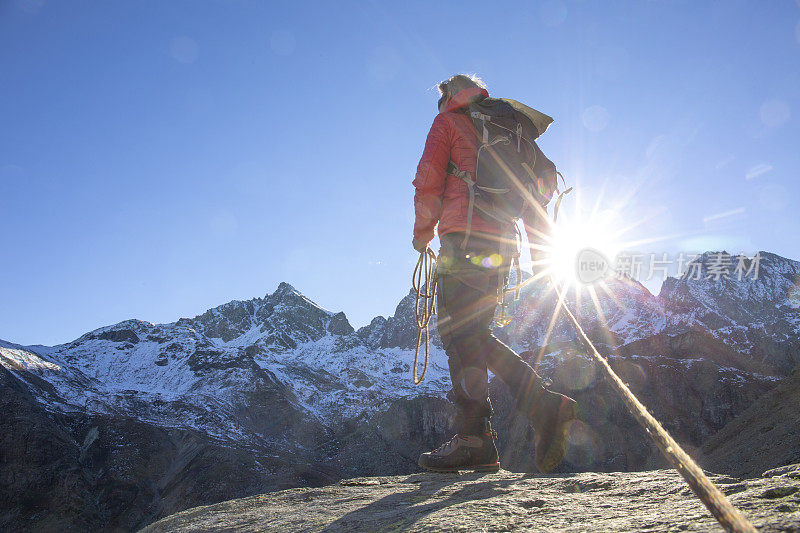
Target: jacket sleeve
429,181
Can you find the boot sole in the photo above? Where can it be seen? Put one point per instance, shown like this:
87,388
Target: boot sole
567,412
477,468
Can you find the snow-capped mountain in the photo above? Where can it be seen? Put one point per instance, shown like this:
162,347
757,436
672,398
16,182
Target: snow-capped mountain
755,311
282,345
292,394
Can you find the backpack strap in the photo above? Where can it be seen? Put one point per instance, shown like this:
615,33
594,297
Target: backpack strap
466,177
558,203
483,118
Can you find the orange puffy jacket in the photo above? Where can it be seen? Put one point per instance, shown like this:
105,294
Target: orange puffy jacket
441,197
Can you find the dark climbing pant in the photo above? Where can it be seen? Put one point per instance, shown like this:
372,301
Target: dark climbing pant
466,304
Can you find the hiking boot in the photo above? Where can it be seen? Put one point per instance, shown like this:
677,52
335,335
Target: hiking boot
550,420
463,452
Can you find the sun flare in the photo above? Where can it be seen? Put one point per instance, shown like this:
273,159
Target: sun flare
571,237
576,233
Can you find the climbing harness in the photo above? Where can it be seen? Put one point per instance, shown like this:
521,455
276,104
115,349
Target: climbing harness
726,514
423,283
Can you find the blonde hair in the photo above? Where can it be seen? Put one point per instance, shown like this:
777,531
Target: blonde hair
458,83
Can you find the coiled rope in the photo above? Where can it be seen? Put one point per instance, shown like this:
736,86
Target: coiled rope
726,514
423,283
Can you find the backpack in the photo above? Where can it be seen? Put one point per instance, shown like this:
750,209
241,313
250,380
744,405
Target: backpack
511,174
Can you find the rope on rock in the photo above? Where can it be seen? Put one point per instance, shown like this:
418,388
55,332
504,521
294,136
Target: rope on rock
423,283
726,514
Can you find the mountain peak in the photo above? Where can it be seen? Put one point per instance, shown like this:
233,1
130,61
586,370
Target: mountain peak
285,288
286,293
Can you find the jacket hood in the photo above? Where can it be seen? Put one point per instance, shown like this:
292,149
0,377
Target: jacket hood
464,96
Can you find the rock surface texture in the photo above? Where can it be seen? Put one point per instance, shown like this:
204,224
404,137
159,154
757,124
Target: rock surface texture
764,435
657,500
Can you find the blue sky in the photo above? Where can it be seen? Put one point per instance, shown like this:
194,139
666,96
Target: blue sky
159,158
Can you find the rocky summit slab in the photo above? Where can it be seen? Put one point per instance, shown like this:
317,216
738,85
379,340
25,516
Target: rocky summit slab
655,500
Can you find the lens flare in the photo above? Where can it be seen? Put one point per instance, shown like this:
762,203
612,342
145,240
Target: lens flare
572,236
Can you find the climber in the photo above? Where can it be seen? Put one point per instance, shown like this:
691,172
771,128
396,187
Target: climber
470,258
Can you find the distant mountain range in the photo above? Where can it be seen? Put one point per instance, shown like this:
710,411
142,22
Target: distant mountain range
135,421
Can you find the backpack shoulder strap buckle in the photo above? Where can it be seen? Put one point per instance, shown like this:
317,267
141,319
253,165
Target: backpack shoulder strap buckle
453,169
466,177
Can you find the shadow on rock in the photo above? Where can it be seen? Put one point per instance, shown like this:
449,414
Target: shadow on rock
401,510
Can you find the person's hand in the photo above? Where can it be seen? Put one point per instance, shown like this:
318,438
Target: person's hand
419,246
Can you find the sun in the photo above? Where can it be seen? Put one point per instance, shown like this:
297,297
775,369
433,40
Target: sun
572,238
576,233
